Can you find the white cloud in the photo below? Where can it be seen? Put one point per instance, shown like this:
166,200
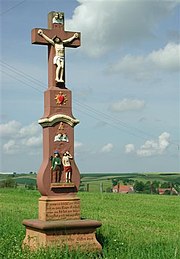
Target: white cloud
10,147
166,59
29,130
9,129
127,105
33,141
129,148
107,148
151,147
164,141
142,67
21,138
108,24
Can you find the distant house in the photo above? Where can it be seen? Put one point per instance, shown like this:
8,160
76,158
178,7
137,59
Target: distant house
123,188
162,191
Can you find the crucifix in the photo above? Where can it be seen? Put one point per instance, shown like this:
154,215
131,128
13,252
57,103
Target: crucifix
59,220
51,179
57,39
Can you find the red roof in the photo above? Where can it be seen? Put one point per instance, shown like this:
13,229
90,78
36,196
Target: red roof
123,188
163,190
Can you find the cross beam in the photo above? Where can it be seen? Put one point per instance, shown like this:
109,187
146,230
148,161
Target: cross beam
57,39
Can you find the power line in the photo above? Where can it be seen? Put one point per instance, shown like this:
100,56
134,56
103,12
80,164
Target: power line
89,110
127,128
114,120
104,117
111,124
26,84
26,76
12,7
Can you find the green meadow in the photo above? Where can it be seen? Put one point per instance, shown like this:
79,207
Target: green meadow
137,226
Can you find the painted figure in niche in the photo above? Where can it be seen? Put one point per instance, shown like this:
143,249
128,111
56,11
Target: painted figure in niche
67,166
61,135
56,167
59,46
58,18
61,127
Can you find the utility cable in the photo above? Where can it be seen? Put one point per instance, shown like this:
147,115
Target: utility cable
26,76
88,110
12,7
110,118
21,81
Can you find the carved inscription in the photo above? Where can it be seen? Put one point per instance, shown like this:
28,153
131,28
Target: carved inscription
87,241
63,210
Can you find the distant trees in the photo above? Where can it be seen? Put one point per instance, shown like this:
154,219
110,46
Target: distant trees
33,173
9,182
166,185
115,182
14,180
125,181
139,186
149,187
146,187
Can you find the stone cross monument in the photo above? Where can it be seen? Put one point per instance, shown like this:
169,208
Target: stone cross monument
58,179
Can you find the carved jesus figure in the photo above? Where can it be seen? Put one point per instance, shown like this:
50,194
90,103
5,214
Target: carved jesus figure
59,52
67,166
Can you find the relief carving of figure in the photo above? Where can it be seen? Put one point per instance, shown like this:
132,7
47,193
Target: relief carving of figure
59,46
56,167
61,137
58,18
67,166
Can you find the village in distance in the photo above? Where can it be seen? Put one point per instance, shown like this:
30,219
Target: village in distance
167,183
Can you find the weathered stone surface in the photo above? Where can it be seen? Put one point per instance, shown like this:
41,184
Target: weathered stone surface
76,234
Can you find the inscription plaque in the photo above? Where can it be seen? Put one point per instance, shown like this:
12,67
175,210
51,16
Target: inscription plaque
59,209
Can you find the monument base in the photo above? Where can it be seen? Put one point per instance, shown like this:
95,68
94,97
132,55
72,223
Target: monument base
76,234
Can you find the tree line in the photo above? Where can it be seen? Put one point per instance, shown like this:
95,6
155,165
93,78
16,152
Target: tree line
148,186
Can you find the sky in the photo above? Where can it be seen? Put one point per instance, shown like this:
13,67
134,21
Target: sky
124,79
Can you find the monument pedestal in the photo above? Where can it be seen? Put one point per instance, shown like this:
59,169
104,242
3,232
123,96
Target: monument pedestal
76,234
60,225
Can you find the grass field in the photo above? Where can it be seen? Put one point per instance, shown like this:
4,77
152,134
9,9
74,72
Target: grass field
133,226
